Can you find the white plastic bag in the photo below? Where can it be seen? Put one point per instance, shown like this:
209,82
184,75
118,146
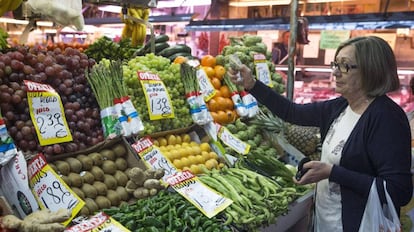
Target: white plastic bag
63,12
377,217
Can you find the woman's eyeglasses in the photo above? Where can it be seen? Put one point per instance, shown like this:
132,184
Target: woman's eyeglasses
343,67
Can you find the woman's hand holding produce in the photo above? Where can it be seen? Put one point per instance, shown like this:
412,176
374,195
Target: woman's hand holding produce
242,76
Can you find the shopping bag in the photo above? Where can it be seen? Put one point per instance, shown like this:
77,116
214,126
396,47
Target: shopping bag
377,217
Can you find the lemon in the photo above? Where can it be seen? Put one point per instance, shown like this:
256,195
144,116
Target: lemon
186,162
196,150
193,143
211,163
174,154
185,144
171,139
192,159
170,147
186,138
213,155
195,169
205,155
155,143
202,167
162,141
205,147
199,159
178,140
178,163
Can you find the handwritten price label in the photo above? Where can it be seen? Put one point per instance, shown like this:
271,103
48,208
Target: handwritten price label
262,69
153,157
50,190
208,201
46,112
232,141
206,88
158,100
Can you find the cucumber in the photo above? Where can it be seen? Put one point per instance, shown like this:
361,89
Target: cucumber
161,46
175,49
175,55
161,38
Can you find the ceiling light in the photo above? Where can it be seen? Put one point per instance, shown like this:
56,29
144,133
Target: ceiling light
245,3
181,3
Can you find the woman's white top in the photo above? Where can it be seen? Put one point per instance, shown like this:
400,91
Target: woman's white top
328,208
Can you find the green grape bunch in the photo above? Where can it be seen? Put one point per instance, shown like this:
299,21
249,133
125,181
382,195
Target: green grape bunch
169,73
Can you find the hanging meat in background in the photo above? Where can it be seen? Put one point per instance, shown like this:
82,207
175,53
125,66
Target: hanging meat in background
223,42
203,41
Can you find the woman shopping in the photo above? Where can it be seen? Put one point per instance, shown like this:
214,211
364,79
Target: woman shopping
366,135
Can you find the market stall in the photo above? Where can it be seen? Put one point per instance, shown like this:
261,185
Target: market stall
141,135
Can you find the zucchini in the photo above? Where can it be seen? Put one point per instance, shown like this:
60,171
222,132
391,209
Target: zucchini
161,38
175,55
175,49
161,46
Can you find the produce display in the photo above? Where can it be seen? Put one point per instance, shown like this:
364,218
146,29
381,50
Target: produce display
259,184
245,48
164,49
166,211
185,154
65,72
257,200
105,47
144,183
169,73
99,177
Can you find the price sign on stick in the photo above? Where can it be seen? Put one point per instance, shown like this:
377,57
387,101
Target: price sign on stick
157,97
262,70
207,89
46,111
50,190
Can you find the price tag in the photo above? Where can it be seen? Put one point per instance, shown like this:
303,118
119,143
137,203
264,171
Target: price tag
153,157
50,190
206,88
262,70
232,141
99,222
207,200
157,97
46,111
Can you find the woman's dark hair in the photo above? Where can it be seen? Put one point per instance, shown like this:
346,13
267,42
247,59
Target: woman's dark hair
376,63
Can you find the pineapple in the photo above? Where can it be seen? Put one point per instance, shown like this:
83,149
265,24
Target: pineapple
304,138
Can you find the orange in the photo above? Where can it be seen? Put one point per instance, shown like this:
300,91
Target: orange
228,103
225,91
221,102
230,116
180,60
208,60
213,106
222,117
216,83
209,71
220,71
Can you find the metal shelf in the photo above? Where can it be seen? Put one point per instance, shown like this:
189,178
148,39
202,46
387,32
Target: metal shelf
337,22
